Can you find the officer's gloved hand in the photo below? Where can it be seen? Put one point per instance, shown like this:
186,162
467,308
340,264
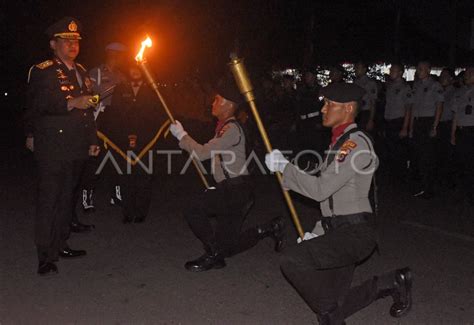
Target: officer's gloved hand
177,130
275,161
307,236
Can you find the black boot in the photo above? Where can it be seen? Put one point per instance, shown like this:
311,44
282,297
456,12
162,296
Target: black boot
78,227
212,259
87,201
398,286
116,198
273,229
47,268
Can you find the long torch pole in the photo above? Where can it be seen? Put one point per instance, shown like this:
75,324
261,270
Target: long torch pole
153,84
243,82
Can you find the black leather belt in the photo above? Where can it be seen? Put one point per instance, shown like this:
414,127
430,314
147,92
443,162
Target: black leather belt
331,223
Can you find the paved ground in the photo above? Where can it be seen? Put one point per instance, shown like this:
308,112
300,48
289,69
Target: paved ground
134,274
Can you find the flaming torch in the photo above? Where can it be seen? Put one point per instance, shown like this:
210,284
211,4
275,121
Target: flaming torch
144,67
243,82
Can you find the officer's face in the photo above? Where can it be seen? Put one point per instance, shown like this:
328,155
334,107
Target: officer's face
360,70
395,72
220,106
445,78
334,113
65,48
309,78
135,73
422,70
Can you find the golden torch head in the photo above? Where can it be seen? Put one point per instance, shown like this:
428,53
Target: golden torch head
241,78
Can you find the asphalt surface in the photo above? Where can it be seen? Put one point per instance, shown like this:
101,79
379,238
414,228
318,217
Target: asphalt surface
133,274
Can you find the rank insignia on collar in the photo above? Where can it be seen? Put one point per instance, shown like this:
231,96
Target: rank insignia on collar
72,26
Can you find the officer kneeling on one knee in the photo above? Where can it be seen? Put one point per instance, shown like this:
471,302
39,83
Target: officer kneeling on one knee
229,202
321,269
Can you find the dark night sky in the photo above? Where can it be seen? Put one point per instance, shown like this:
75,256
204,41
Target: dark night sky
200,34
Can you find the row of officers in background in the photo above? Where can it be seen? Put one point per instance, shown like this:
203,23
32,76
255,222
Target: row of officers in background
423,129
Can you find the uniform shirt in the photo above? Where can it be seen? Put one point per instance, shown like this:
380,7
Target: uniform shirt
464,106
103,79
427,94
370,88
398,96
228,139
59,133
347,179
449,103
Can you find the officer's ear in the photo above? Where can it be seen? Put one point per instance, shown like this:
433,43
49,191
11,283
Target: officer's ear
52,44
351,108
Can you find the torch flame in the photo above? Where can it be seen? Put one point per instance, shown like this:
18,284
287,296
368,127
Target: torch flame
146,43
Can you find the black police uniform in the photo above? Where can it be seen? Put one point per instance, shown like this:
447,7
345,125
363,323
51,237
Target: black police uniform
61,143
140,119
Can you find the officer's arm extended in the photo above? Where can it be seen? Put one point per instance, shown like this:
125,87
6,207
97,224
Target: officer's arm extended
333,178
229,139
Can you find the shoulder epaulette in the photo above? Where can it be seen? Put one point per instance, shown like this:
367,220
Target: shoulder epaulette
81,66
45,64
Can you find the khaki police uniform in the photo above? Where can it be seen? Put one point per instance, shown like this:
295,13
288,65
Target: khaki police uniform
231,194
321,269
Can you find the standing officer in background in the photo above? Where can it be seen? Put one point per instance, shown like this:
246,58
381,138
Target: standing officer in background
321,269
444,147
231,195
397,119
141,116
104,77
336,74
60,119
463,127
310,131
427,109
366,116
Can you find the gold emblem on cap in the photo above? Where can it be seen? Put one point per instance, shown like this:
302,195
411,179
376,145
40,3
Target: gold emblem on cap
72,26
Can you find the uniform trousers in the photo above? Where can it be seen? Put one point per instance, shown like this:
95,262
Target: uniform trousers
465,158
445,154
321,271
396,149
57,181
136,189
226,204
425,152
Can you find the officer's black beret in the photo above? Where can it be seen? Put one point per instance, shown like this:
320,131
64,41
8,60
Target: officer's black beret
67,28
343,92
229,91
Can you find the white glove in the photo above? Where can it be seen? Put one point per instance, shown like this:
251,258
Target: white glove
275,161
307,236
177,130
